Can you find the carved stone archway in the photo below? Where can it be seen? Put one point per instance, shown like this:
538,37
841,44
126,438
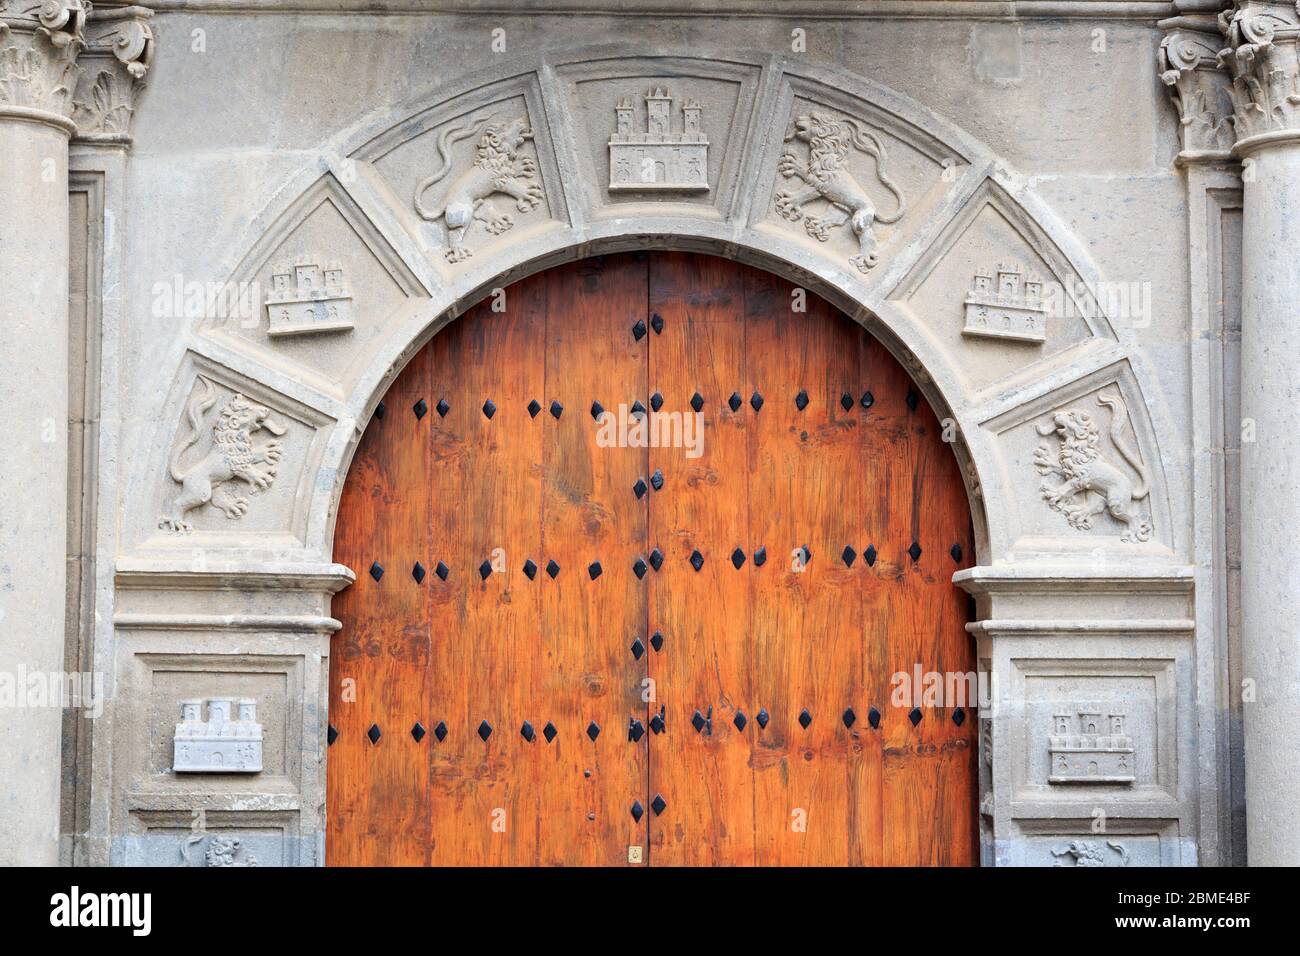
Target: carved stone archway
1078,611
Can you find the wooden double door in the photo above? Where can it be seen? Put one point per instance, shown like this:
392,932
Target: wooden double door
664,636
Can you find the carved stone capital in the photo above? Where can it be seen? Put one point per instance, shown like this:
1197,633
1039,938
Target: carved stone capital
1262,59
119,51
1198,87
39,44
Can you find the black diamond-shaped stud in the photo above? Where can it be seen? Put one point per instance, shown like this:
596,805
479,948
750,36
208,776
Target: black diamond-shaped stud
530,569
489,409
638,330
593,730
418,572
640,488
801,400
697,560
594,569
549,731
959,716
597,410
657,480
914,715
552,568
913,399
637,648
737,559
762,718
848,555
376,570
484,731
485,569
697,401
638,811
739,720
331,735
846,401
657,722
656,559
756,401
867,399
735,401
637,410
421,408
697,721
442,408
533,408
556,410
639,568
442,571
805,718
635,731
374,733
914,552
418,731
869,555
760,557
873,718
657,323
849,717
658,805
955,551
657,641
807,554
440,731
527,732
656,401
379,411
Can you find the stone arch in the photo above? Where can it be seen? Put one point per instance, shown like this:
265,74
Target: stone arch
965,211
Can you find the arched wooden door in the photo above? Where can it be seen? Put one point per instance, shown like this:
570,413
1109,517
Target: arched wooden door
566,647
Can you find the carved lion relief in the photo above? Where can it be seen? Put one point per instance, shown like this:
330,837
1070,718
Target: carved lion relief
1091,485
236,450
497,168
1088,853
824,177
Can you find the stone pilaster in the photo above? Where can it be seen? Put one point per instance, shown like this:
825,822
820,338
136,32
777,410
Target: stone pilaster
39,45
1263,61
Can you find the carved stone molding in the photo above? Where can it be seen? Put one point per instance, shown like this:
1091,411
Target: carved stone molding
1262,59
1189,67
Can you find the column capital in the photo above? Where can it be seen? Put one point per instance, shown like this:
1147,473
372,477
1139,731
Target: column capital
118,54
39,44
68,65
1262,59
1198,87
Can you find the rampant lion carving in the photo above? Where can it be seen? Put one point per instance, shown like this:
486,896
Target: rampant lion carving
823,176
234,454
497,169
1087,853
1092,485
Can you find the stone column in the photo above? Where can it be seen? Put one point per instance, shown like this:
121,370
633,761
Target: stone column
39,44
1262,61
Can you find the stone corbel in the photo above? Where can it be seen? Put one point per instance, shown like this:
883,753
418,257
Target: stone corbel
39,44
1263,60
1189,67
119,52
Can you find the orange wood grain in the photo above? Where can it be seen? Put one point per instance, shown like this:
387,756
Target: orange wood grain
505,649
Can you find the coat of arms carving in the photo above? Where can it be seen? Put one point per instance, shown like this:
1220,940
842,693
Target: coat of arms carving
824,177
497,168
237,451
1091,485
